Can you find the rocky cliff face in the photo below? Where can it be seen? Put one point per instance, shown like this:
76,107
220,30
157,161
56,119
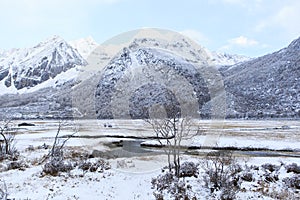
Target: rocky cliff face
144,77
268,86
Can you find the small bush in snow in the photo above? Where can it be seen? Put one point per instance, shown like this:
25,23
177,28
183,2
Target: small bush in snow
7,145
16,165
30,148
168,184
293,168
270,167
188,169
271,178
270,173
221,171
248,176
44,146
100,165
56,162
292,182
163,181
54,166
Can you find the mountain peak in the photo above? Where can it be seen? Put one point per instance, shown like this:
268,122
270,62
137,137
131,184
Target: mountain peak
54,40
295,44
220,59
26,68
84,46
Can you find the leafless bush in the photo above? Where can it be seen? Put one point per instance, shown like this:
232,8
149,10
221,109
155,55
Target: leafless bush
268,189
170,132
56,162
99,166
270,167
189,169
293,182
20,165
7,145
221,171
53,167
293,168
172,185
247,176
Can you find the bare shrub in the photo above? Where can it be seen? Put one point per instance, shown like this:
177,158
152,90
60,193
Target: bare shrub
55,166
271,185
189,169
172,185
7,145
270,173
99,166
270,167
221,171
247,176
293,168
20,165
170,132
56,159
30,148
268,189
292,182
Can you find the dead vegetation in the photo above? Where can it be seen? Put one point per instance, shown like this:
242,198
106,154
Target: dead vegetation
7,144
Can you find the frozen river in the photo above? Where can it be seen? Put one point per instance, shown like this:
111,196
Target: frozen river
280,135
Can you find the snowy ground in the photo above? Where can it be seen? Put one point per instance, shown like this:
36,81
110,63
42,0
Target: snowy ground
130,176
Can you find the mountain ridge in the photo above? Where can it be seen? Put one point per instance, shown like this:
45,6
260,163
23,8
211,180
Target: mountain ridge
267,86
263,87
19,68
29,67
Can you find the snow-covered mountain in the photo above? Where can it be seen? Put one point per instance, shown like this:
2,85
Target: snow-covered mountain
166,55
41,75
85,46
220,59
29,67
159,72
267,86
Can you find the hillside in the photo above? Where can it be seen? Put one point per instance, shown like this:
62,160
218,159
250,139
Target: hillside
53,80
267,86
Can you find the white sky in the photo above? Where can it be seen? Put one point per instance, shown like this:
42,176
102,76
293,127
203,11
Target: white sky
248,27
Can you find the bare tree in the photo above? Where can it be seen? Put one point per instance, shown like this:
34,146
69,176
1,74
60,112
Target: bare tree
58,144
170,132
56,155
7,148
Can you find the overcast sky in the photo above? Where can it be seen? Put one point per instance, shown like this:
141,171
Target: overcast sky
248,27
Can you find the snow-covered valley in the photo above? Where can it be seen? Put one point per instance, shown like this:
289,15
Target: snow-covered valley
129,175
70,120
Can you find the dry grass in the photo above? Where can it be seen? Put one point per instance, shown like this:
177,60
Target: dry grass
146,158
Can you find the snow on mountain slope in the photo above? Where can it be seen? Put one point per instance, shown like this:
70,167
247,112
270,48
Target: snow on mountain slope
155,66
84,46
29,67
220,59
267,86
185,47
